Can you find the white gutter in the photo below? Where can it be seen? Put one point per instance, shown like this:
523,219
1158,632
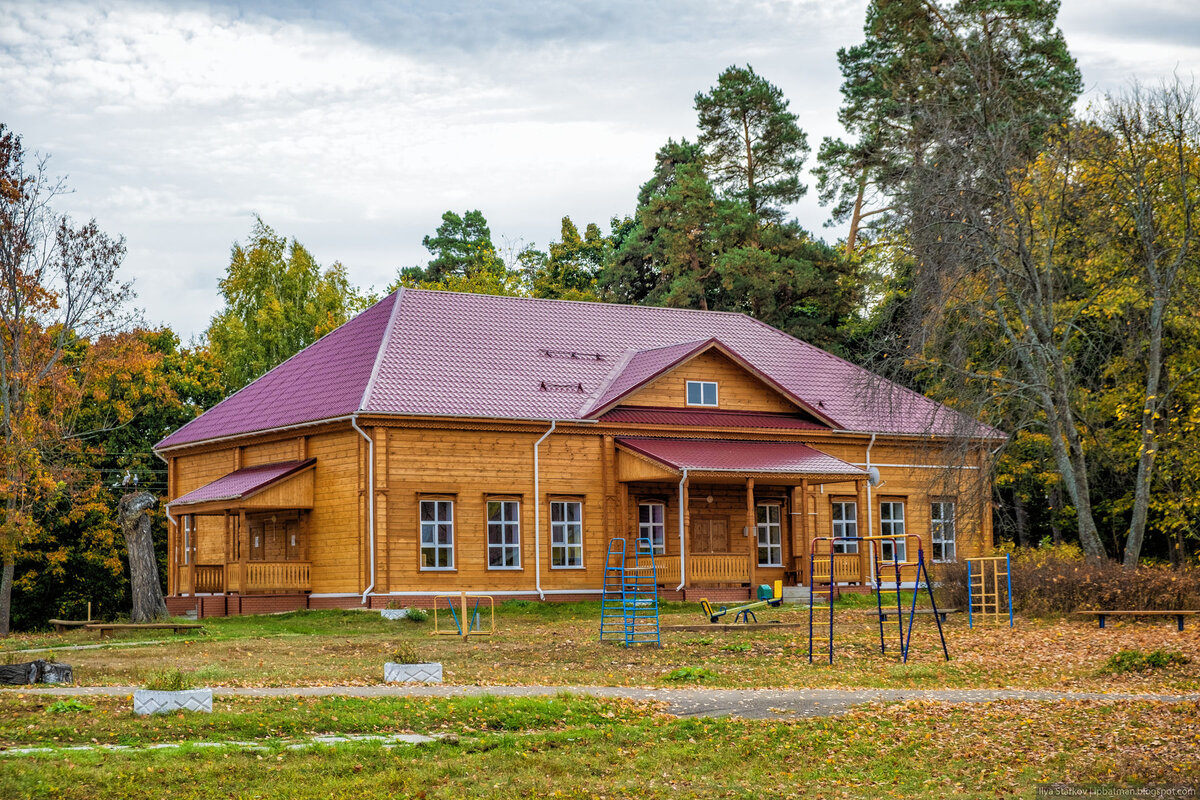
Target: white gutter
682,566
870,505
370,502
537,514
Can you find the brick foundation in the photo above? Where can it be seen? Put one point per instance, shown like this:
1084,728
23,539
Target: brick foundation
716,594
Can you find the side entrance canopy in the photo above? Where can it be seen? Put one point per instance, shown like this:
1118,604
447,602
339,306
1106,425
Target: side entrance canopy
266,487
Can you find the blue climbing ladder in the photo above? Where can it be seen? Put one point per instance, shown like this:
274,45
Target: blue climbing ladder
629,605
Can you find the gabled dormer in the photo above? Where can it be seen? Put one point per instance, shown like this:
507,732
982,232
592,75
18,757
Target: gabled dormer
704,375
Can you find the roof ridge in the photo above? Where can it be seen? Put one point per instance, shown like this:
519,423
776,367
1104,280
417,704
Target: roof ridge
507,297
398,295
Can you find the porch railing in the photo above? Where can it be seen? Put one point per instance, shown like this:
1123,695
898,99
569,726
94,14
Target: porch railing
847,568
259,576
705,568
210,579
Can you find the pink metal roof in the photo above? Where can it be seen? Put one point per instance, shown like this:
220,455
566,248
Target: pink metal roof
243,482
705,455
326,379
444,353
708,418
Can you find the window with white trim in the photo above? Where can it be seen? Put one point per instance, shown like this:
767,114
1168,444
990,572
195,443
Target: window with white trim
504,534
891,523
942,530
845,523
770,535
437,534
187,540
652,525
701,393
566,534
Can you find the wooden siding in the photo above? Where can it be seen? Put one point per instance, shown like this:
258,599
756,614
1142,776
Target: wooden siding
470,462
737,389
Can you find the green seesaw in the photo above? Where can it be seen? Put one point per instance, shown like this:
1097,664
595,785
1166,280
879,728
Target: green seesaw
744,614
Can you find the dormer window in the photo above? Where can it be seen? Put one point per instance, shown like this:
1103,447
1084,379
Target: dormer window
701,393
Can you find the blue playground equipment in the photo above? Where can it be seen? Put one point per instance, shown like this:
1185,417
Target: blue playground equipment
823,577
629,605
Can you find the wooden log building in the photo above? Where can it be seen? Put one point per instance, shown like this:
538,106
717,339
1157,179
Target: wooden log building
441,442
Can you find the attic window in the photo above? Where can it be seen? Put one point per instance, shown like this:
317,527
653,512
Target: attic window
701,393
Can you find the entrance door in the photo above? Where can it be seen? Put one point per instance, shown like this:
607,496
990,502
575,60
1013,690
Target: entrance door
258,543
291,540
710,535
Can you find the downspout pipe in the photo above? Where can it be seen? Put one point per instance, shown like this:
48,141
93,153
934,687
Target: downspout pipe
370,504
682,555
870,504
537,514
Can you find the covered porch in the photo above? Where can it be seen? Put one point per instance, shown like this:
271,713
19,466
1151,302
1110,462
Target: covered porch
245,533
729,515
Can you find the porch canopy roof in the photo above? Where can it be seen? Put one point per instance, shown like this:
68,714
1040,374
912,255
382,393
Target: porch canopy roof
735,458
281,485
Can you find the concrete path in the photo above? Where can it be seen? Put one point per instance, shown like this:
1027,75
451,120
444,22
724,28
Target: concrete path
745,703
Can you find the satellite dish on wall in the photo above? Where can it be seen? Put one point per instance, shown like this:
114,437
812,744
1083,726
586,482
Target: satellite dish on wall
873,476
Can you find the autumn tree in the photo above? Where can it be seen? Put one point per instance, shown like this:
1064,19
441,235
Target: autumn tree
570,269
58,285
278,300
926,92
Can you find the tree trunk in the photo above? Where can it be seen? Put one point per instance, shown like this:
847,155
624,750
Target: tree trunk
1148,445
6,582
1055,509
148,603
1022,520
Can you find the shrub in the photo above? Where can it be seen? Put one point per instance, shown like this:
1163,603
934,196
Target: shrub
406,653
67,706
738,647
415,614
1137,661
1058,580
169,680
689,674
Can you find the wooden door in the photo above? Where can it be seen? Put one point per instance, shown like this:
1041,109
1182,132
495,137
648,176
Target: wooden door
291,540
710,535
258,541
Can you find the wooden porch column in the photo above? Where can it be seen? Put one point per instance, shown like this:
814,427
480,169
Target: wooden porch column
192,555
752,531
172,535
864,570
228,553
243,540
623,497
686,513
608,461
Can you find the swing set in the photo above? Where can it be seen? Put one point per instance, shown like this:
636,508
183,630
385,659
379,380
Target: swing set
823,573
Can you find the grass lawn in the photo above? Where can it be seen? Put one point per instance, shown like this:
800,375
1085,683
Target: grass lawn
556,644
578,747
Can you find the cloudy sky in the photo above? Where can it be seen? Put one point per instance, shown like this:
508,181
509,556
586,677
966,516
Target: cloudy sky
352,126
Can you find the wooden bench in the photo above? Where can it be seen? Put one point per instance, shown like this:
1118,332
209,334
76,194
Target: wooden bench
941,612
1178,615
63,625
107,628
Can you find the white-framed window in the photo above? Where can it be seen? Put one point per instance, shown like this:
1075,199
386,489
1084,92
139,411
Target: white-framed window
566,534
652,525
891,523
845,523
770,535
437,534
504,534
701,393
942,530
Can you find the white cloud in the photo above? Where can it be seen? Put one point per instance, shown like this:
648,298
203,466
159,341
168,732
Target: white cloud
354,126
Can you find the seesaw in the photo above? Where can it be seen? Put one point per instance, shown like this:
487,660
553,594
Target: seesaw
742,615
